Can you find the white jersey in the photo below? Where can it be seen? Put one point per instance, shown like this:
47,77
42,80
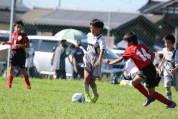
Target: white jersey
168,56
129,65
95,43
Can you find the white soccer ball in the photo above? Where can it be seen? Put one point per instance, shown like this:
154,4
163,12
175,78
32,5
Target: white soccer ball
78,97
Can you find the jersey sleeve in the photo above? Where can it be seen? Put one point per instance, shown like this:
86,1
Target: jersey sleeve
102,43
25,38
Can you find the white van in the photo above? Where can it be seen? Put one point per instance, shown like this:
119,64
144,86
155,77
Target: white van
43,46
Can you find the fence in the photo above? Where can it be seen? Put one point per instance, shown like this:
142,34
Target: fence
46,22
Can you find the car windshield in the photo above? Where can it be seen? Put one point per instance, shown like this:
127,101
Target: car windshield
108,54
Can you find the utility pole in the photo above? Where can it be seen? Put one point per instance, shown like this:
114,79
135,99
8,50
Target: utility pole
12,19
59,5
109,29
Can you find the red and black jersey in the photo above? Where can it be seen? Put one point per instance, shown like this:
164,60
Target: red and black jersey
139,54
19,38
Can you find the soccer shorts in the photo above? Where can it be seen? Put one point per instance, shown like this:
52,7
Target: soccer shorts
148,73
88,64
171,81
17,58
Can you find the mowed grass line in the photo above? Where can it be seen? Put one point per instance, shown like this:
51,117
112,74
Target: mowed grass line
51,99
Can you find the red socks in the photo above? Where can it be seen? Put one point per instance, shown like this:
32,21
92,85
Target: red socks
161,98
9,81
26,78
142,89
156,95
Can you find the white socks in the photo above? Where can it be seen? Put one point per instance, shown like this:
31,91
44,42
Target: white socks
169,95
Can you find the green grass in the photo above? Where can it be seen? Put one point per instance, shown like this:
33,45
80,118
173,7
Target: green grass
51,99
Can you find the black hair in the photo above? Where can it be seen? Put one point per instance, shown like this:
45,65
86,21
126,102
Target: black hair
18,22
72,46
63,41
169,37
97,23
131,36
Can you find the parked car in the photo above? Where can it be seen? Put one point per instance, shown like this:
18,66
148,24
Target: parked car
118,52
43,46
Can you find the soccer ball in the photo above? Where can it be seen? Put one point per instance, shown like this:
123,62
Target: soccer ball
78,97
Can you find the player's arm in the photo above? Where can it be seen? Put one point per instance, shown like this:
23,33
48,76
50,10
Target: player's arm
115,61
75,64
99,58
6,43
152,54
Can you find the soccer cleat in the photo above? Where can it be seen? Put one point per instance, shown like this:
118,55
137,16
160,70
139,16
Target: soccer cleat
172,105
7,86
87,98
28,87
148,101
94,98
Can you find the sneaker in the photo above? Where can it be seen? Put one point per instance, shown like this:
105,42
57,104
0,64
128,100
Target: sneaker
87,98
94,98
172,105
148,101
28,87
7,86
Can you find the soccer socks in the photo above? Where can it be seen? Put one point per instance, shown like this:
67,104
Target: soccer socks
9,81
26,78
161,98
94,89
142,89
86,87
169,95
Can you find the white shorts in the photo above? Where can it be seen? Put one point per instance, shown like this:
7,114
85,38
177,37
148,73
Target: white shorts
89,61
171,81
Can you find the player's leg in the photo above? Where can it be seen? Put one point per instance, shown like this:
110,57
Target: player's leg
10,77
26,78
87,77
169,93
167,85
94,89
136,84
12,64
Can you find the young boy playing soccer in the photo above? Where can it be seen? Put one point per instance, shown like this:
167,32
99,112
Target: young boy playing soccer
93,58
170,57
17,53
139,54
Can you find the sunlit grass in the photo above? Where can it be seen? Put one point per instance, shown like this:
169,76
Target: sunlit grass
51,99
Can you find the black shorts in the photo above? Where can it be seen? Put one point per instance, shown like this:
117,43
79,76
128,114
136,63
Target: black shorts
17,58
149,75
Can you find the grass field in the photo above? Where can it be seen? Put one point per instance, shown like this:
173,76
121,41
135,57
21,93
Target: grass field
51,99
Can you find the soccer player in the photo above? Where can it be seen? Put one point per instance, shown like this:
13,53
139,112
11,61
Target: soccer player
140,54
17,54
93,58
170,55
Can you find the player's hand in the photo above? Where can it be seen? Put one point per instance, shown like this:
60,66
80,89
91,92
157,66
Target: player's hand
97,63
107,61
3,43
14,46
173,70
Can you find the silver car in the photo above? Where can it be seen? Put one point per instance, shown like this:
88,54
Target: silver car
43,46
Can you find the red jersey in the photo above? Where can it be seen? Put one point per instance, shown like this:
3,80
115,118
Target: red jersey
138,53
20,38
